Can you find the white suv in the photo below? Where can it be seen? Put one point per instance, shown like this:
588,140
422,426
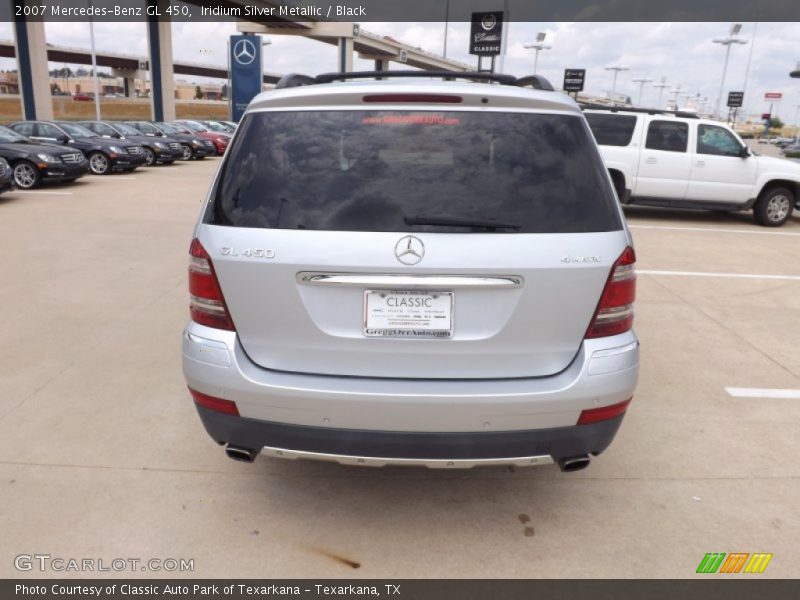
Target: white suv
412,272
665,159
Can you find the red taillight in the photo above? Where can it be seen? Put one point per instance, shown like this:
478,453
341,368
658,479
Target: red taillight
227,407
206,304
614,313
604,413
425,98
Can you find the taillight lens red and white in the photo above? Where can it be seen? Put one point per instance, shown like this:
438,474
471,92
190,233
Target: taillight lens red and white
614,314
206,303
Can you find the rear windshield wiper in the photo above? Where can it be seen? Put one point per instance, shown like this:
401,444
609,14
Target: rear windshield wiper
489,225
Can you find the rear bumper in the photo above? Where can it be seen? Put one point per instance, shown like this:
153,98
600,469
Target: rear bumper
523,448
220,147
404,418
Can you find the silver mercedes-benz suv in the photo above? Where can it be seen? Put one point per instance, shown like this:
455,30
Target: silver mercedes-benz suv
415,271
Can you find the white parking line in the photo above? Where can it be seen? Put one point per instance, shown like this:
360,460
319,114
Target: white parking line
762,393
41,192
728,275
122,177
716,230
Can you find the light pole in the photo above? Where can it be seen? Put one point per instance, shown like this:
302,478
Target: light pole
641,81
661,87
446,25
746,97
94,66
538,45
676,90
616,69
727,42
264,43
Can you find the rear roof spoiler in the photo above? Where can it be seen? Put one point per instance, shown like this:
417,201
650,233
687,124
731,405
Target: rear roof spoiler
535,81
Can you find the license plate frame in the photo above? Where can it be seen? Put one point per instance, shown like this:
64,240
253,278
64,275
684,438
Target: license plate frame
417,321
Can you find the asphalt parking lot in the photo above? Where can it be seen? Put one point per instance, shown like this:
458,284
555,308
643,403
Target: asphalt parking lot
103,456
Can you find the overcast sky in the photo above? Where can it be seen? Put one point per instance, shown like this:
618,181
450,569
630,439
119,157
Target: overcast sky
681,52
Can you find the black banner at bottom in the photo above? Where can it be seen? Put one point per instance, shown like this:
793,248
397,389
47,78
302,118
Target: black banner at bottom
405,589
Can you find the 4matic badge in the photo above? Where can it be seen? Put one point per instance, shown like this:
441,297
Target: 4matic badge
581,259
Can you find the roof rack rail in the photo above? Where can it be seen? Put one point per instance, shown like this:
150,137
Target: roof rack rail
536,81
638,109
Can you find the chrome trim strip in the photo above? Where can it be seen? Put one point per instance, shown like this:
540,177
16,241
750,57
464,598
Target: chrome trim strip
431,463
409,281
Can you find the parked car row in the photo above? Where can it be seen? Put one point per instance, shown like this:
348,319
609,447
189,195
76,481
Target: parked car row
35,152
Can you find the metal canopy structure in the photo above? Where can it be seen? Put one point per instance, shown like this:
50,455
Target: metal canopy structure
369,46
127,62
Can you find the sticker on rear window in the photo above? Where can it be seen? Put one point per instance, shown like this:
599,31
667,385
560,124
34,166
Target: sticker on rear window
405,119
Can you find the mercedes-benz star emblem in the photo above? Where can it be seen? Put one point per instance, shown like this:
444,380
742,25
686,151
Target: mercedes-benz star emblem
409,250
244,51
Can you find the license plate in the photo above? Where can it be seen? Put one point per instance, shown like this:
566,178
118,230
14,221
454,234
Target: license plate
413,314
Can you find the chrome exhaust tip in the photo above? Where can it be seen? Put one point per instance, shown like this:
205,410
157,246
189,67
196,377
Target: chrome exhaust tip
240,454
574,463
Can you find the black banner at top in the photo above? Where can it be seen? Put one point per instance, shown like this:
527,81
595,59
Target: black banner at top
364,11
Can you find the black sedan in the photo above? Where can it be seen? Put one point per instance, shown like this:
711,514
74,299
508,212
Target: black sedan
200,147
32,163
156,151
197,146
103,155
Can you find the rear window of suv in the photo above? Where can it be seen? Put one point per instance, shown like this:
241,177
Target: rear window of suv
611,130
415,171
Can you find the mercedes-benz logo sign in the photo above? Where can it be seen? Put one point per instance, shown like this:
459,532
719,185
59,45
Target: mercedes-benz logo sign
488,22
244,51
409,250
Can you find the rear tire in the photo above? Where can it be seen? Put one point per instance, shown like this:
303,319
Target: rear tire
619,185
26,175
774,207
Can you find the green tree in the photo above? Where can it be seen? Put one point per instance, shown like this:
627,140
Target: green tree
776,123
198,93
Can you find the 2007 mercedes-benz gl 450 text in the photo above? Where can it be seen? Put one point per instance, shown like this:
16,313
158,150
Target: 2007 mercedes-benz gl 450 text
412,271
